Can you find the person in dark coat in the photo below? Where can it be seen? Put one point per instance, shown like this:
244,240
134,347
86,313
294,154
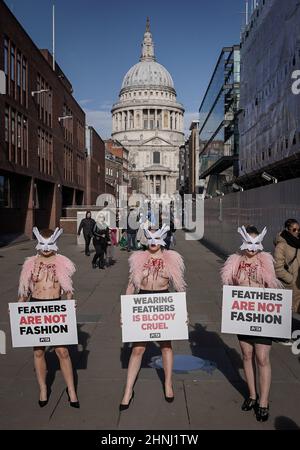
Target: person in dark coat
100,240
132,228
87,226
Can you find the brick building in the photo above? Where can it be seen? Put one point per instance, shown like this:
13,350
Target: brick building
42,135
113,175
117,149
95,166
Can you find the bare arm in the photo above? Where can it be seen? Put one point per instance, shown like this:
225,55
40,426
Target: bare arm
130,288
23,298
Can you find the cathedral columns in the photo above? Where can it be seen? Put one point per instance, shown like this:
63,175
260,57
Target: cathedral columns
163,188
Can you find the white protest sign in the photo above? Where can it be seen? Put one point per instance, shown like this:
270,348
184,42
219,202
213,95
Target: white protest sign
257,311
154,317
39,324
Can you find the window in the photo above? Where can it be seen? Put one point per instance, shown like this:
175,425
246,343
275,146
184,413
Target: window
165,119
156,157
130,119
19,140
6,131
4,192
158,118
151,119
19,69
6,56
13,136
12,63
24,81
12,71
145,118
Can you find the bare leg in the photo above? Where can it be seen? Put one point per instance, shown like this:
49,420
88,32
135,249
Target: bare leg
67,371
247,351
167,358
134,366
40,370
262,353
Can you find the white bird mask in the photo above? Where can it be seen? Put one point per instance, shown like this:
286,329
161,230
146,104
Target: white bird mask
252,243
47,244
157,238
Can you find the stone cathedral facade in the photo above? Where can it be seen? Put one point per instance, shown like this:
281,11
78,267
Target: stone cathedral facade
148,121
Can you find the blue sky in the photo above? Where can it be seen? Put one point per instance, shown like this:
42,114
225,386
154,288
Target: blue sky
97,41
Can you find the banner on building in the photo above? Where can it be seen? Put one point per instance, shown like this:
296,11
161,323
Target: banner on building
39,324
154,317
257,311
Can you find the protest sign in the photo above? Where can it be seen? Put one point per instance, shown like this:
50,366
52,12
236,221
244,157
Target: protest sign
43,323
257,311
154,317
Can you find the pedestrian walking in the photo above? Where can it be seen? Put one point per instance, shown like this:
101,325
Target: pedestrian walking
153,271
255,268
287,259
111,245
87,226
141,237
44,277
132,228
100,241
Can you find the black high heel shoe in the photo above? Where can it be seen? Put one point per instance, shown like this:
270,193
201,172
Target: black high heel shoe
73,404
43,403
262,413
249,404
169,399
123,407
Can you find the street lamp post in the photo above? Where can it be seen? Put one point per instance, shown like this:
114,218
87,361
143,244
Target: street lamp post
266,176
64,117
39,92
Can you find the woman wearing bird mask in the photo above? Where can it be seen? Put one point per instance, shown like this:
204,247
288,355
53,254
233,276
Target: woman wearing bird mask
45,277
254,268
152,271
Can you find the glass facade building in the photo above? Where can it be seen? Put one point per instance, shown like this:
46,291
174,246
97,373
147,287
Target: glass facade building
218,127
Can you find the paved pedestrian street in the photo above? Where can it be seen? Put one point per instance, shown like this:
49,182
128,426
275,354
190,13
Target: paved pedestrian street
203,400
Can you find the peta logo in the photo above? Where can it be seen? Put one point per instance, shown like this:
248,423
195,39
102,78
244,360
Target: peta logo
296,84
255,328
2,343
296,343
154,335
44,339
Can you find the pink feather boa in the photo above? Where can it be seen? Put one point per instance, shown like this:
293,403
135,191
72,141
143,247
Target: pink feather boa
266,271
172,260
64,270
